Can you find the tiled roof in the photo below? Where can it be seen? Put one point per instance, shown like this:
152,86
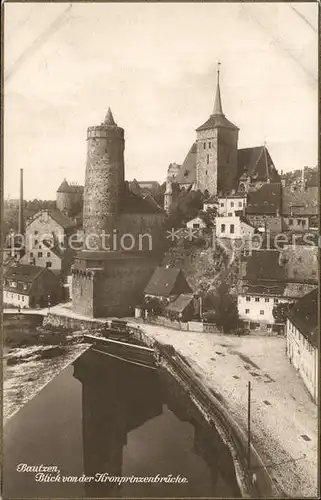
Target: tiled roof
62,219
265,288
264,265
166,281
65,187
23,272
133,203
256,163
266,200
304,315
300,202
180,304
300,262
216,121
187,173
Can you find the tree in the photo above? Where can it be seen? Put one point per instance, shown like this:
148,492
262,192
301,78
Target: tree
223,309
184,208
280,311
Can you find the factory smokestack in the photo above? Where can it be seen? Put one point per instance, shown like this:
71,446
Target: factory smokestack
21,218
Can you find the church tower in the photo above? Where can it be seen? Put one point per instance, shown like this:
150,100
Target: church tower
104,180
216,156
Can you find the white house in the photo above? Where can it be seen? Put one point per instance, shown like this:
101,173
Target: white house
228,205
234,227
302,340
196,223
257,309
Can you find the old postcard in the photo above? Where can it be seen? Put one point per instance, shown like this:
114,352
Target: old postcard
161,237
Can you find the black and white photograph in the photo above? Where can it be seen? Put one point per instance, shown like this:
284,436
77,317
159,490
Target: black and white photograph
160,239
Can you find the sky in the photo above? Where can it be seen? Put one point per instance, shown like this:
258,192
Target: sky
155,65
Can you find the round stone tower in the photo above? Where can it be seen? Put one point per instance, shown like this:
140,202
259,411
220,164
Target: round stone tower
104,180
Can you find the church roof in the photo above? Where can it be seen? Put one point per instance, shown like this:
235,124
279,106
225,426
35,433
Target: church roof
65,187
133,203
217,121
257,163
187,173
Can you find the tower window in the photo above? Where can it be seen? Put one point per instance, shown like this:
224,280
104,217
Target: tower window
205,172
210,144
208,159
204,145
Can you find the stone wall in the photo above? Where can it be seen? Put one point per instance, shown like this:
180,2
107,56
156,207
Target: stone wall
104,178
207,160
83,293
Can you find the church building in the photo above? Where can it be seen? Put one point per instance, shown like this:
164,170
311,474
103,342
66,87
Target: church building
214,164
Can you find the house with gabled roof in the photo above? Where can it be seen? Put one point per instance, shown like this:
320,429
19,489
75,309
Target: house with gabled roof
30,286
302,336
167,283
266,280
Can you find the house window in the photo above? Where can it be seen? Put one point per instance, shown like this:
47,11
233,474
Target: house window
204,145
232,203
248,299
267,299
262,313
290,222
48,254
36,232
195,225
205,172
18,297
232,228
209,144
208,159
257,299
247,311
48,264
31,254
222,205
23,298
39,254
240,203
222,228
303,222
36,242
276,301
13,284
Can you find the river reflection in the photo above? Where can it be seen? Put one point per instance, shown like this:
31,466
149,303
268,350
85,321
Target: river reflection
105,416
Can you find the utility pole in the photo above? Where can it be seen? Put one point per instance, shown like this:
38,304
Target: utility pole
249,426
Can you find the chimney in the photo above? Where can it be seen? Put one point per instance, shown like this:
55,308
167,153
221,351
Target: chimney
21,221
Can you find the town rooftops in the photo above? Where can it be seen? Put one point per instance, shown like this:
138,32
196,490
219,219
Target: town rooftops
133,203
300,202
167,281
264,265
304,315
23,272
266,200
62,219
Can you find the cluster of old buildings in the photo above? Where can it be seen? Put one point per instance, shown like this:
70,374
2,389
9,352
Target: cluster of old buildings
243,191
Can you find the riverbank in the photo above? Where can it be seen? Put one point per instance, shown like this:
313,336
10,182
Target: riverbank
284,419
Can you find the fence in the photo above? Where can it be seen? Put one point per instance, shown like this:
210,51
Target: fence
189,326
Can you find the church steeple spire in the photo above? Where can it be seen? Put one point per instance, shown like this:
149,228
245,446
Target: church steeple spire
218,110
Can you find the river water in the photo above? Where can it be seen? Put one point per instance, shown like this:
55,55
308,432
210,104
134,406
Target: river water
101,415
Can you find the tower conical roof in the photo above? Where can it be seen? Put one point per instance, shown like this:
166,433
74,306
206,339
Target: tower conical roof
109,119
218,109
64,186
